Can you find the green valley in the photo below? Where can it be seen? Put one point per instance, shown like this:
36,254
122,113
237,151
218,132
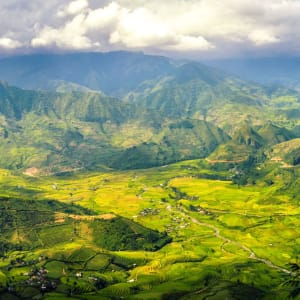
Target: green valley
212,238
130,176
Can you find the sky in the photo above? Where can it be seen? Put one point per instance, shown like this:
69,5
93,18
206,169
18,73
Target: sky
176,28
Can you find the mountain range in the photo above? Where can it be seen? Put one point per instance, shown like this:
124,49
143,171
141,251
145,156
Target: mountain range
126,110
276,71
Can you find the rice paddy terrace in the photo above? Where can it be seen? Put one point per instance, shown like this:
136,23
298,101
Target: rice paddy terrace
183,231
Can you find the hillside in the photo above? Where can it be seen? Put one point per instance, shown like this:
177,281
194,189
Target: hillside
173,89
57,132
272,134
52,222
178,141
288,151
169,111
16,103
196,91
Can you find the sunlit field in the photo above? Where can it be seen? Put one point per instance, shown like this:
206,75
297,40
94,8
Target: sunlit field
227,241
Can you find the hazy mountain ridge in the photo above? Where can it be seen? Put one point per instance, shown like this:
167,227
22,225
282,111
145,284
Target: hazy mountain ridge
114,73
270,70
168,112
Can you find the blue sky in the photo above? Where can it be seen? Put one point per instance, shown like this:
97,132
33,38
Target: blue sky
179,28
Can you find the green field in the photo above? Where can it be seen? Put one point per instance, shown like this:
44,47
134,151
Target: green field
209,238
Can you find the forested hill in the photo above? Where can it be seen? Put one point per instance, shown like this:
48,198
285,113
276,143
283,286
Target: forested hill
130,110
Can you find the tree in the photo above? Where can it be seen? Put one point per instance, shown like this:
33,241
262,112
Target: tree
294,281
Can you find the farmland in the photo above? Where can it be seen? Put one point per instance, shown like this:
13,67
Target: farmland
197,235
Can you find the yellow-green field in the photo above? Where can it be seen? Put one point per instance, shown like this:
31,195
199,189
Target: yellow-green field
228,241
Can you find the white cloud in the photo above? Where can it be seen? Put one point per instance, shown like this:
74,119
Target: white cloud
190,43
71,36
263,37
8,43
139,28
73,8
123,28
185,26
103,17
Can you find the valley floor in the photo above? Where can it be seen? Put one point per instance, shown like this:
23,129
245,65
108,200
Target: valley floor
225,241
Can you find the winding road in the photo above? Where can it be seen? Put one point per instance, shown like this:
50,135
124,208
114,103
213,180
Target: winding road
226,240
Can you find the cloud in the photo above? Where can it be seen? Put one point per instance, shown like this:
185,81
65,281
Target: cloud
105,17
263,37
8,43
118,27
190,43
71,36
73,8
139,28
198,27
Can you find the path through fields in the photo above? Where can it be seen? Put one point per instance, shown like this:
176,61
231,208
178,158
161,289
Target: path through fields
217,234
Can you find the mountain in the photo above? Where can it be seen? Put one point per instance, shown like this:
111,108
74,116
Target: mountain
114,73
130,110
90,106
249,142
199,92
179,141
42,129
288,151
65,131
272,134
276,70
